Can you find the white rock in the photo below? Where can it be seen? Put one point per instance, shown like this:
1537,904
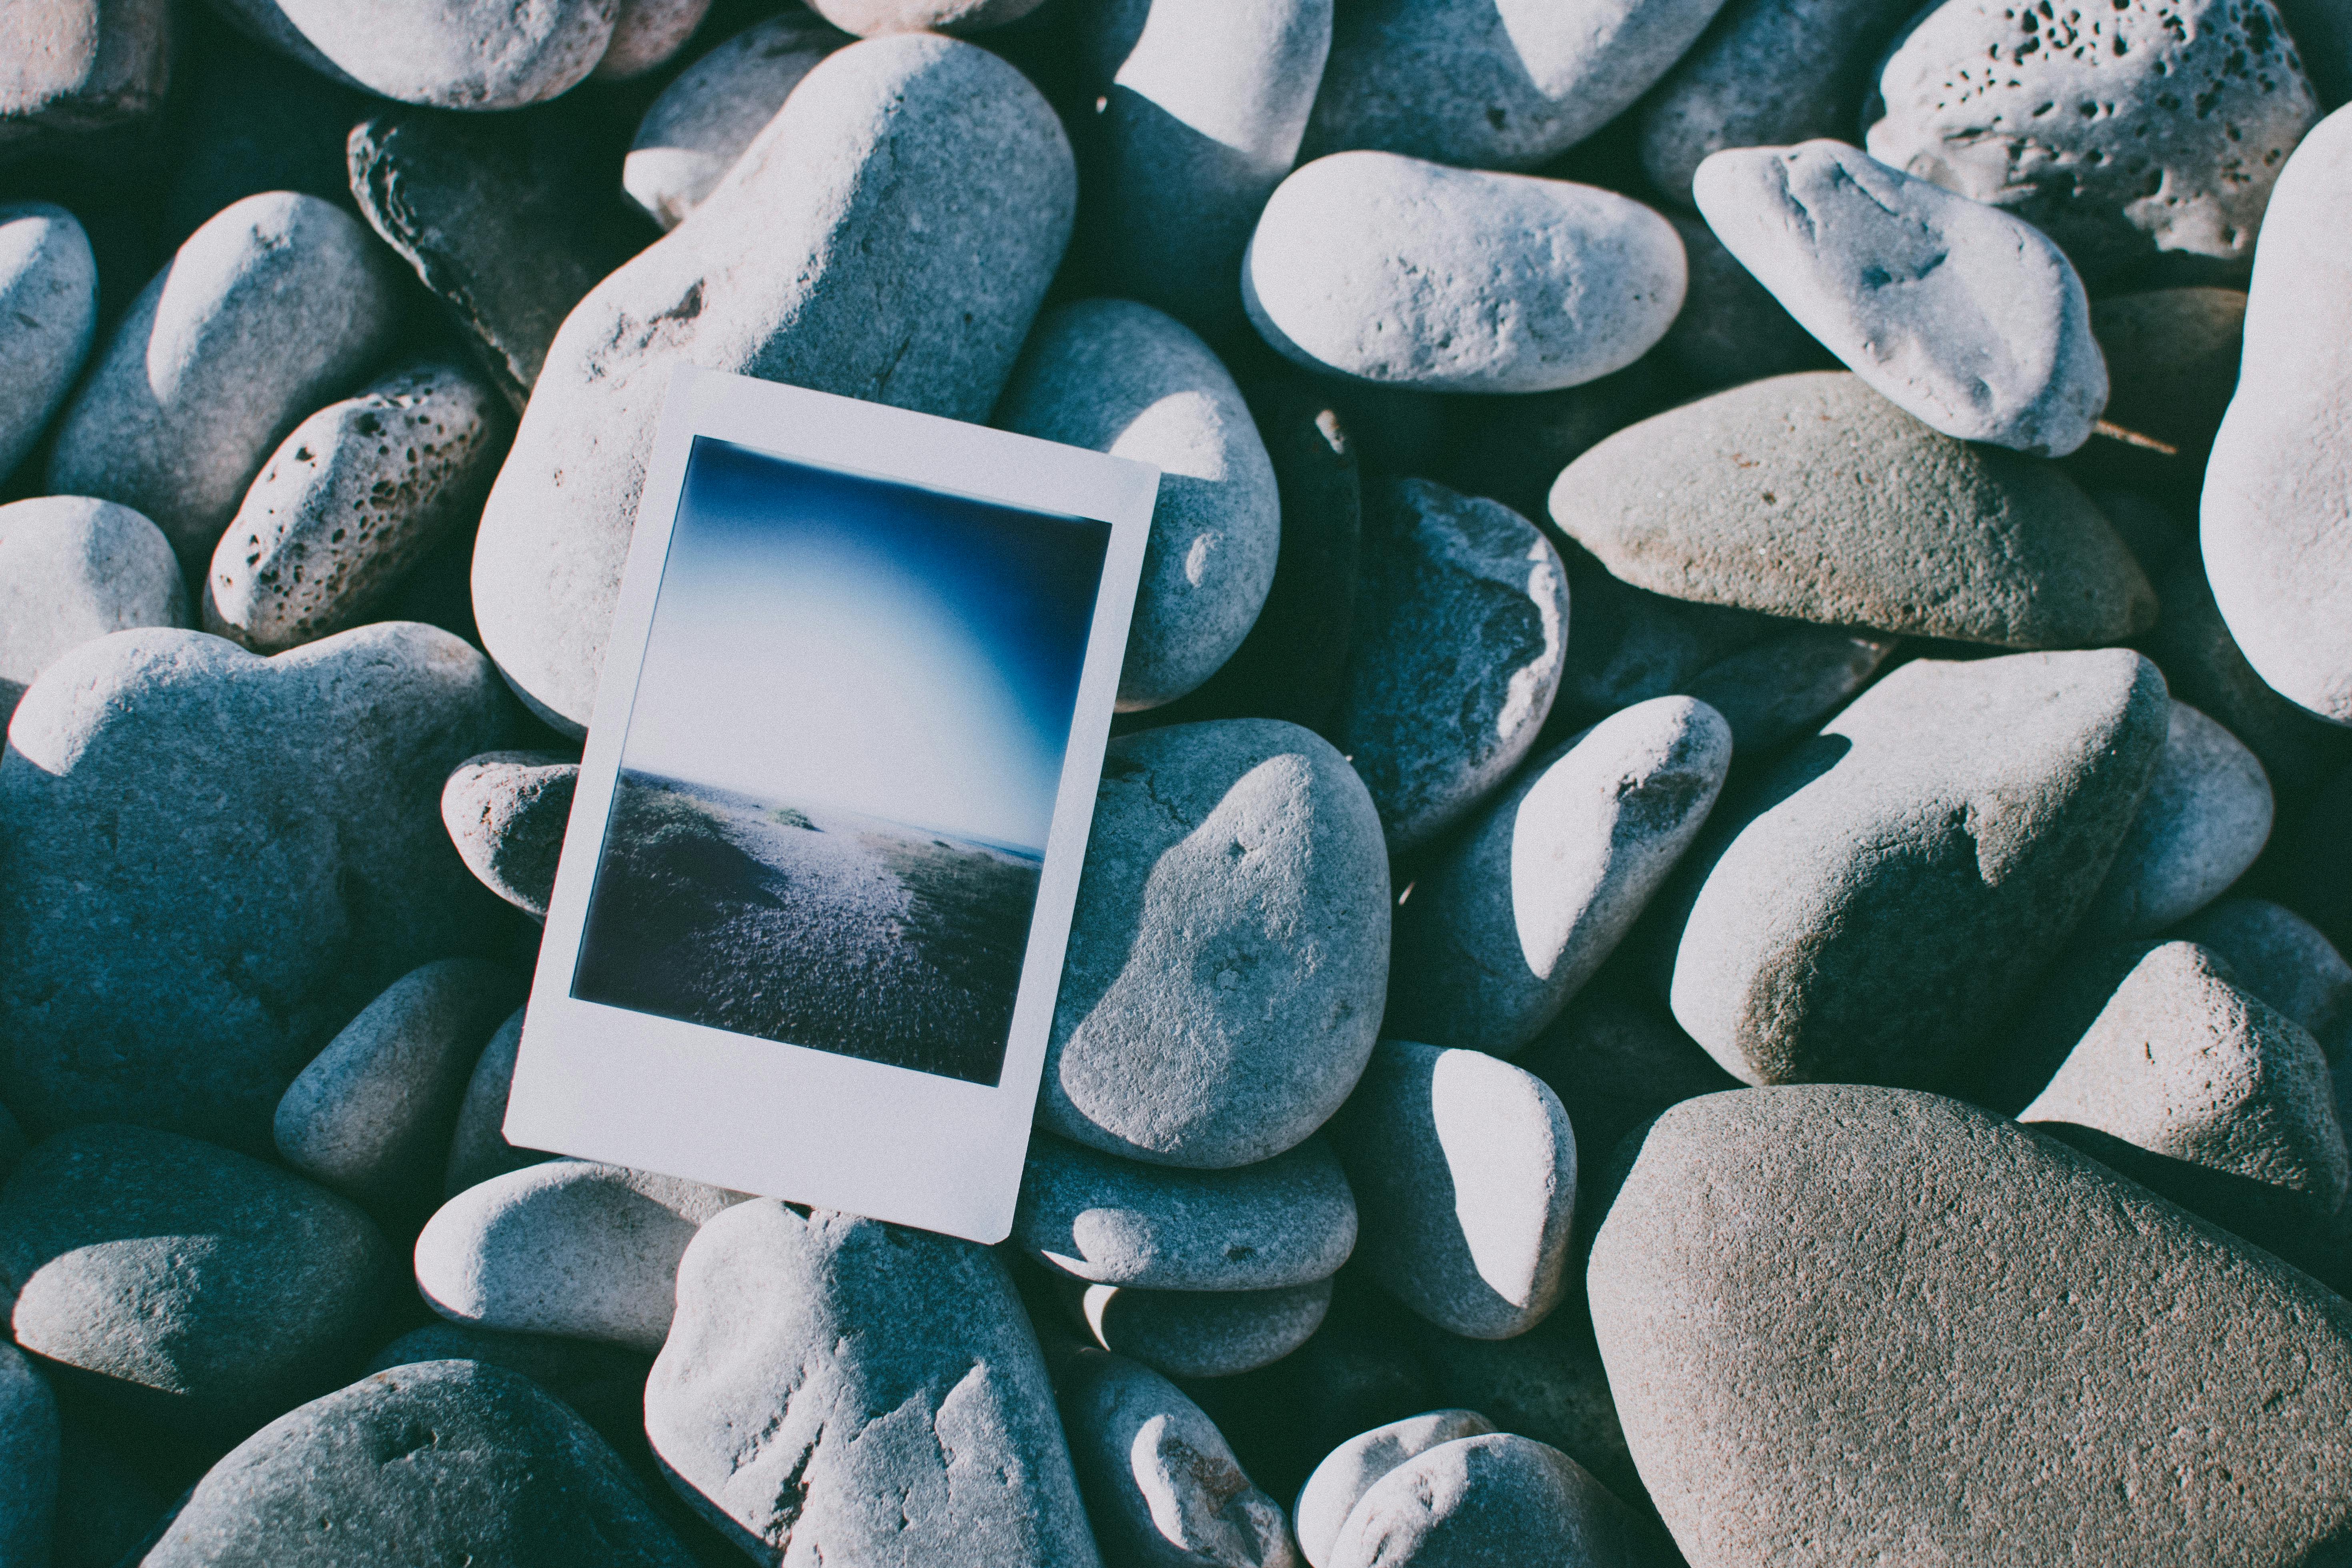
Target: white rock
72,569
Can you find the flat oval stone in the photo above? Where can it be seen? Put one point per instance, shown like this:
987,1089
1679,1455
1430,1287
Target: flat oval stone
1115,376
1290,1220
279,303
917,170
1812,497
2192,108
1351,1469
868,17
2277,545
1496,1498
197,1288
28,1458
478,1149
1522,908
48,315
449,54
1204,1333
73,569
902,1408
507,813
566,1247
1964,317
1407,273
2279,957
434,1462
703,121
1228,950
1868,909
1784,1268
646,34
2203,821
1730,328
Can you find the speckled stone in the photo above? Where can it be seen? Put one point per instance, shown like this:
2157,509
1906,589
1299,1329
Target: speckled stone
703,121
448,54
48,315
1497,1498
2279,957
73,569
79,67
1203,1333
1351,1469
507,811
2205,817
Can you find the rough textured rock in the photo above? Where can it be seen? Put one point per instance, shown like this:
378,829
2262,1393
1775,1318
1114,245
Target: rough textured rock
81,65
1491,1498
28,1460
901,1408
918,169
2204,668
1527,902
371,1115
276,305
1228,950
442,1461
2277,496
48,315
1290,1220
868,17
1779,690
1730,328
1865,911
2205,817
478,1149
507,811
1204,1333
1115,376
703,121
216,860
646,34
2192,108
2126,1383
73,569
448,54
2279,957
566,1247
1461,628
1964,317
198,1288
1408,273
1352,1469
352,498
1747,497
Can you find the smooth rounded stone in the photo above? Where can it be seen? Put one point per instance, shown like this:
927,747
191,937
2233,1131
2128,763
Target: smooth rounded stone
478,1149
1730,330
605,1383
1493,87
1740,498
197,1286
73,569
868,17
2277,507
1161,1485
1464,1168
48,315
2172,362
354,497
438,1462
566,1247
2203,821
1198,124
79,67
1352,1469
1406,273
2203,666
1491,1498
1867,909
699,126
1831,1310
1523,907
448,54
646,34
28,1460
1290,1220
507,811
216,860
1115,376
371,1115
1964,317
276,304
1460,638
1203,1333
1780,690
2192,108
841,1390
2279,957
1615,1061
918,171
1228,950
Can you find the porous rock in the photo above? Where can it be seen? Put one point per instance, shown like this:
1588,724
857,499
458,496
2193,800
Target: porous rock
702,122
2279,957
507,811
2205,817
1203,1333
28,1460
48,315
646,34
73,569
448,54
79,67
1492,1498
1351,1469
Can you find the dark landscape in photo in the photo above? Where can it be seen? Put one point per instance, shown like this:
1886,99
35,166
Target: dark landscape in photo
840,769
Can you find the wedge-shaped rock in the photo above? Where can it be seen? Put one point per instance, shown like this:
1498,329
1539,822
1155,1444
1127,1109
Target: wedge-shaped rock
1851,1325
1812,497
1868,909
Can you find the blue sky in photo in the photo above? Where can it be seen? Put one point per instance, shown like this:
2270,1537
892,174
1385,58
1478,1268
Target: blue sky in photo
832,639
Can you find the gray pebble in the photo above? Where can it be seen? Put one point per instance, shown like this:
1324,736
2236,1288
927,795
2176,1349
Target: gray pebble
703,121
1830,1311
1730,328
2205,817
1549,1385
1115,376
841,1390
646,34
448,54
73,569
200,1289
28,1460
1964,317
2203,666
279,303
1290,1220
776,277
1780,688
1615,1060
868,17
1228,950
1408,273
354,496
2279,957
507,811
1867,909
1525,905
371,1116
1492,1498
1737,498
1461,628
1629,645
48,315
566,1247
478,1149
81,67
1204,1333
1351,1469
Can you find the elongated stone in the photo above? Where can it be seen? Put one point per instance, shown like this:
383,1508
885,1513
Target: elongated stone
48,315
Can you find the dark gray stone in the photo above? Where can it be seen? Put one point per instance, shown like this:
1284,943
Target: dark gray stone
48,315
701,124
507,811
1493,1498
2205,817
1731,329
73,569
1352,1469
1203,1333
1785,686
450,54
79,67
28,1460
2040,1032
1512,446
2203,667
478,1149
2279,957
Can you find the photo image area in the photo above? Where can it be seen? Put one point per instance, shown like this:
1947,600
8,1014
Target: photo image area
841,759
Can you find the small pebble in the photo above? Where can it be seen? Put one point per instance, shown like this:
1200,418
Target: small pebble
2279,957
48,315
2205,817
703,121
1492,1498
73,569
1203,1333
1352,1469
507,811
